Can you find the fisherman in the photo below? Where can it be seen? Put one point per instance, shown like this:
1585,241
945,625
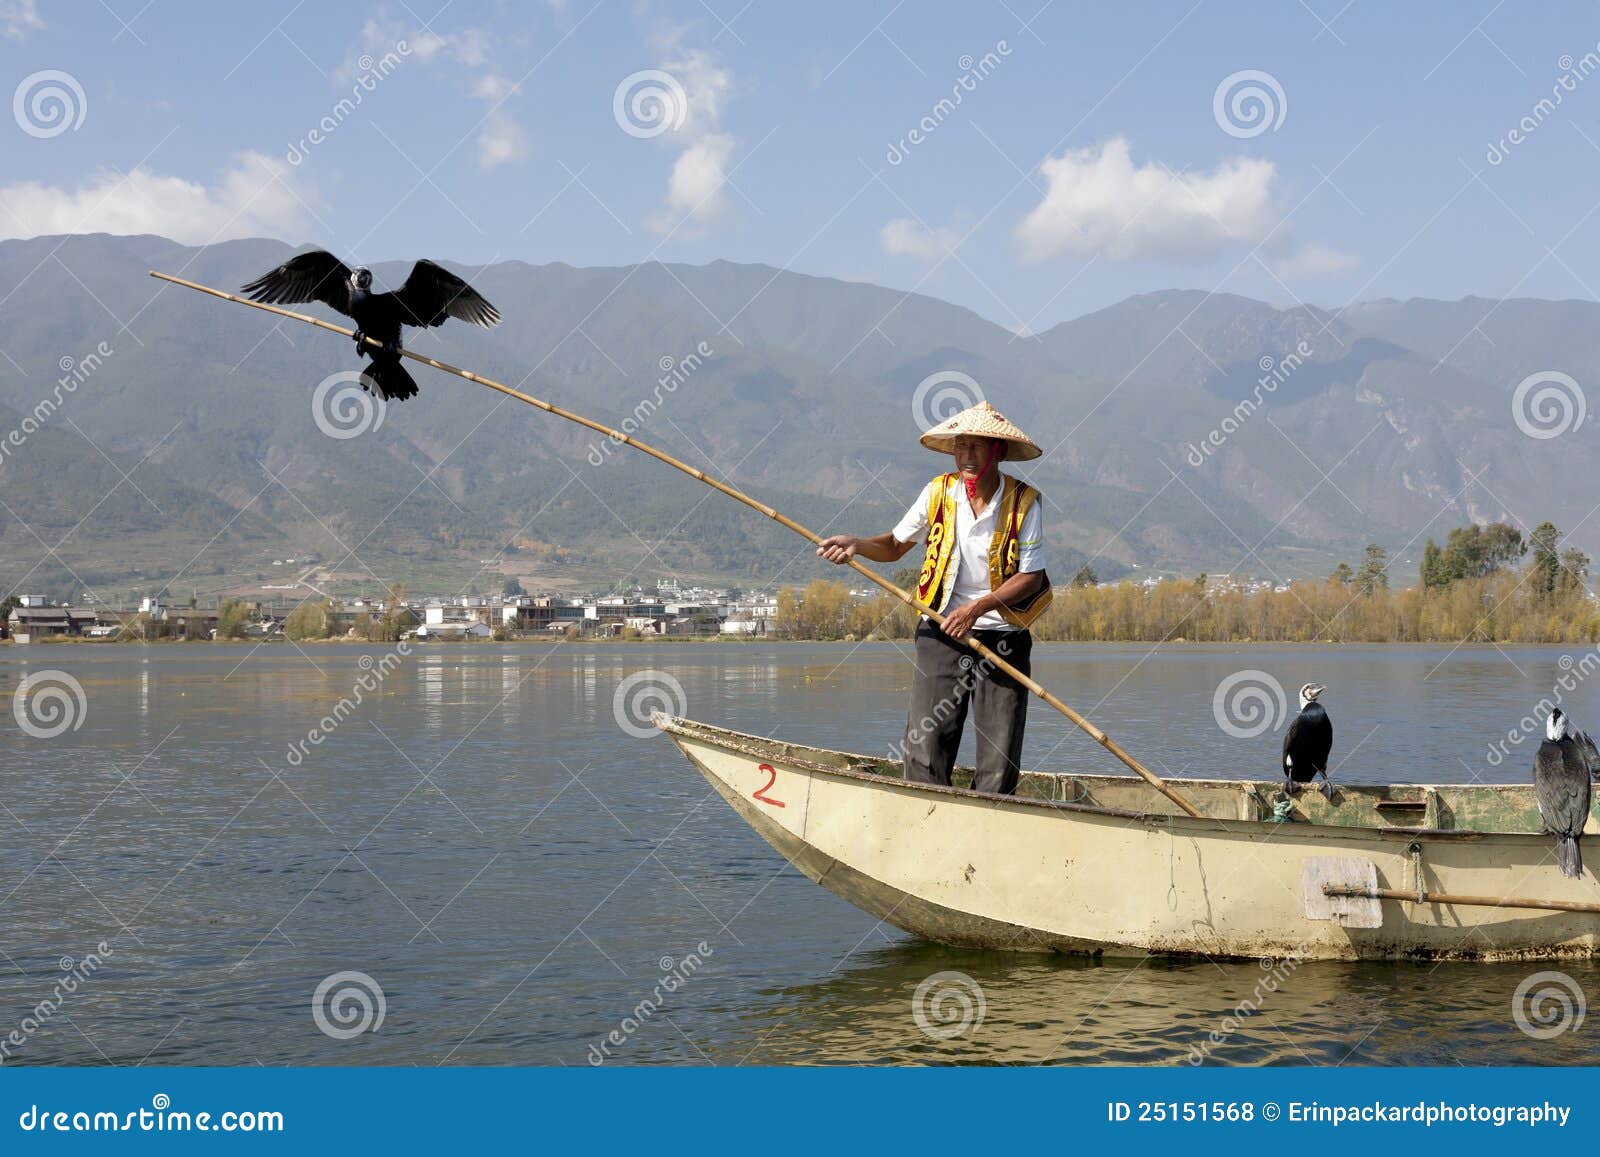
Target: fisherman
984,571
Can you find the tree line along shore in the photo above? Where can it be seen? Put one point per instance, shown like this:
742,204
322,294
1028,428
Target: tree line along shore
1485,584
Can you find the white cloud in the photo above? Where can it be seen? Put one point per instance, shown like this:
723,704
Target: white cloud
1314,260
256,197
492,87
695,188
904,237
18,18
1099,202
705,85
500,140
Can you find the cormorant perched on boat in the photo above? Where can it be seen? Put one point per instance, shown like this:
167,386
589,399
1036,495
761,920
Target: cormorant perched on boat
1306,744
1590,753
1561,771
430,296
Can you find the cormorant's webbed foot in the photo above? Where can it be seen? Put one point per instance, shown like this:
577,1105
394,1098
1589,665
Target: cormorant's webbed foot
1327,789
361,343
1290,787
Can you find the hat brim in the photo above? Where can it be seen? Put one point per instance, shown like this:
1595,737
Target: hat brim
1017,449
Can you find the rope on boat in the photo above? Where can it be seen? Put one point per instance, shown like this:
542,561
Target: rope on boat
1172,868
619,437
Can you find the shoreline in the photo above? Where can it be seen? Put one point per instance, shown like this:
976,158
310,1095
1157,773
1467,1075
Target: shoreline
745,641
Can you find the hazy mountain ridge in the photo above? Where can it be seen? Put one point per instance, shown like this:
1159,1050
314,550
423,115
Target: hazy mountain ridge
805,398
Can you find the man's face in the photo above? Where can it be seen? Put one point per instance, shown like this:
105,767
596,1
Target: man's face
971,452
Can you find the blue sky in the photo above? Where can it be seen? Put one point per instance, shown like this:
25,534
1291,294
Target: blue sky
1087,162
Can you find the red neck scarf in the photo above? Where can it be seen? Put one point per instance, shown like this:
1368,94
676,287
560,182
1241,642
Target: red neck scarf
972,483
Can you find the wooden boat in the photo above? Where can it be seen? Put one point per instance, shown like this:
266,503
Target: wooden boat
1102,864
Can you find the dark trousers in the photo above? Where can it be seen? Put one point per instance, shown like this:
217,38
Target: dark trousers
949,679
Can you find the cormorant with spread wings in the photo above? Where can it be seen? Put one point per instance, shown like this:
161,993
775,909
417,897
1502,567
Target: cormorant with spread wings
431,296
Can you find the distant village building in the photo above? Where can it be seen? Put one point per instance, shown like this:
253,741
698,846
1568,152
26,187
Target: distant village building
34,619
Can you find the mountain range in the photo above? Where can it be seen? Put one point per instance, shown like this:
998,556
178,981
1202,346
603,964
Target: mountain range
1184,431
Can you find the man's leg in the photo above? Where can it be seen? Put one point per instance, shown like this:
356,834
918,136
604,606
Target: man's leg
940,688
999,711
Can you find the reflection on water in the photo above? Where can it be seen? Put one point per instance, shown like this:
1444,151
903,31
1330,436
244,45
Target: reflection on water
518,874
1046,1010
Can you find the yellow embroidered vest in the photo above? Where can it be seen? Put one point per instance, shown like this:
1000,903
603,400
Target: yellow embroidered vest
938,577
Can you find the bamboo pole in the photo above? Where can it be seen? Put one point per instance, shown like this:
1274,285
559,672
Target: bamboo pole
1415,897
1032,685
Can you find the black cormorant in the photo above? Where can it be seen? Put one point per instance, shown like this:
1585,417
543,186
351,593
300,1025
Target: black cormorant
430,296
1306,744
1561,772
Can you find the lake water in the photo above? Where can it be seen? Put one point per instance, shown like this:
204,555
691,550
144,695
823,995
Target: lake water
518,874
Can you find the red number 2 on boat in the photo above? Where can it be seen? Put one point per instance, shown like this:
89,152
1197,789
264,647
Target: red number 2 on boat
760,793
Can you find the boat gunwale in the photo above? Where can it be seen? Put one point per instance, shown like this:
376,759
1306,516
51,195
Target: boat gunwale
730,740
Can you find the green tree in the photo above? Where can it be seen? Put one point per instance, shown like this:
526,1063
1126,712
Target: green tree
1085,577
1477,551
1374,573
1434,572
1545,544
1574,570
512,588
1343,575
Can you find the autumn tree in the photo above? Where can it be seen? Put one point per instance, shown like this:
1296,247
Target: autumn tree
232,618
310,620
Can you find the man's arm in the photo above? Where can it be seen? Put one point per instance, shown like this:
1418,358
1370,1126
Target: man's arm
1019,588
840,548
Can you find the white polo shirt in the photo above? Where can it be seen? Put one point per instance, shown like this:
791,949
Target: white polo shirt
974,532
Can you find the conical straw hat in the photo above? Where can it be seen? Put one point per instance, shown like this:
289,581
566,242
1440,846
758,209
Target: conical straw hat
981,421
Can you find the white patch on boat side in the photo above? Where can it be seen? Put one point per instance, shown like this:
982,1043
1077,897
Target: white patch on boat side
1318,872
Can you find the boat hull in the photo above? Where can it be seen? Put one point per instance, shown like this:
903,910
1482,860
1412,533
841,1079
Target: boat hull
975,870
